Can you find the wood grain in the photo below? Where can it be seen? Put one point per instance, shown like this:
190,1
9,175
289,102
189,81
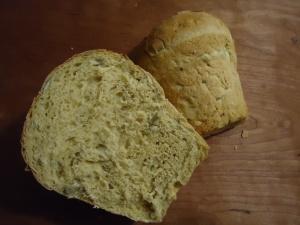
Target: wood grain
247,180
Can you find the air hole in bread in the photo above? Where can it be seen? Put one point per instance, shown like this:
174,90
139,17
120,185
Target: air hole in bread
178,184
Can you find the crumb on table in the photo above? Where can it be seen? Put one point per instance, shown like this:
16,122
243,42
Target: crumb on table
244,134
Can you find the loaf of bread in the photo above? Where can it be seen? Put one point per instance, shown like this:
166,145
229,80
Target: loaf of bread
102,131
192,56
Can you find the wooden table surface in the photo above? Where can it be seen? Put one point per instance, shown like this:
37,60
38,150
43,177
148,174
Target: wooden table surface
254,179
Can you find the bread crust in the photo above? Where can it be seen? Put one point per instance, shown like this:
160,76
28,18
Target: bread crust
192,55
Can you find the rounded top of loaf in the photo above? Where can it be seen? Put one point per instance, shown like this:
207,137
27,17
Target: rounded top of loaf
181,27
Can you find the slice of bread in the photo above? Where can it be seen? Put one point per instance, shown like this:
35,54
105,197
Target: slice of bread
192,55
102,131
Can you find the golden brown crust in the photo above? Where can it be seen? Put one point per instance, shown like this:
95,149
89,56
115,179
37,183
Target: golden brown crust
192,55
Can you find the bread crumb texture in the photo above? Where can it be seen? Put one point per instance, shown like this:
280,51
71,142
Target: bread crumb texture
192,55
102,131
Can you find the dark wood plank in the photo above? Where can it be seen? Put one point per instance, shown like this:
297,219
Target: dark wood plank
247,180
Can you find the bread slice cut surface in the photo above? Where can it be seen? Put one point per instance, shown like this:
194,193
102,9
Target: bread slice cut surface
101,131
